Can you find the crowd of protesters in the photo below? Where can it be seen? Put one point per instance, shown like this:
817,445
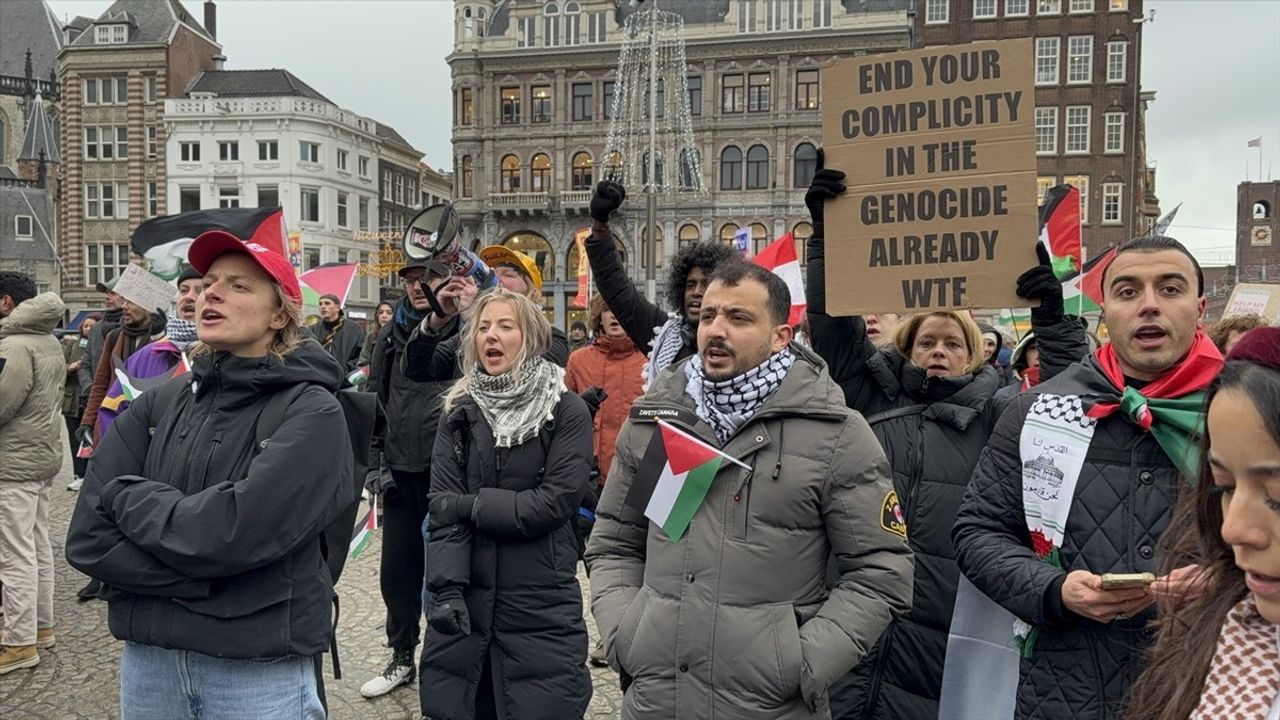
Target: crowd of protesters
898,516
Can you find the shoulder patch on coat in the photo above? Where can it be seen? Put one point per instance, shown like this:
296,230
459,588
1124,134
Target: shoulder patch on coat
891,517
669,413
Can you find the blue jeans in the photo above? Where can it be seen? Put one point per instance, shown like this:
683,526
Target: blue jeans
160,684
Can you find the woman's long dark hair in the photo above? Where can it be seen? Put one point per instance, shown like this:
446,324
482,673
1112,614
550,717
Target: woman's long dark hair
1170,687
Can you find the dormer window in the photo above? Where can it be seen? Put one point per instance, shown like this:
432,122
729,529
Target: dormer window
116,34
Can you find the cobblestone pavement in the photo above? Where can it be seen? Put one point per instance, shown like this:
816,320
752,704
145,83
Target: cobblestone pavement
79,678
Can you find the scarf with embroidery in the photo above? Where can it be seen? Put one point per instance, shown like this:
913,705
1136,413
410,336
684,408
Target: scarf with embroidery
517,402
667,341
727,405
1244,677
182,333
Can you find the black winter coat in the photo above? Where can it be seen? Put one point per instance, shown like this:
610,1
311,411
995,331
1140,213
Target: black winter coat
1080,668
517,565
347,344
639,317
206,542
412,406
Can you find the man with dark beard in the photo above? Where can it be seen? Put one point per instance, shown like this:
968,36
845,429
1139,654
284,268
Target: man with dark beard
110,321
667,337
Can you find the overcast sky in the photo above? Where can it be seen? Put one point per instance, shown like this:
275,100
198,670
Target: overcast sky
1215,67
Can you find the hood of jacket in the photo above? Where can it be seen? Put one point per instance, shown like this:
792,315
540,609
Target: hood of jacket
242,381
37,316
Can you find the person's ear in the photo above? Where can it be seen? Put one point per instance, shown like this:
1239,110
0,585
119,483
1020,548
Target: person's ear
782,336
279,320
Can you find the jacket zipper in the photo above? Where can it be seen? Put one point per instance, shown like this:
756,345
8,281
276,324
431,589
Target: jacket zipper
917,471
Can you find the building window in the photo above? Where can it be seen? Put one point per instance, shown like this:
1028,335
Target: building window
510,174
936,11
660,103
572,24
106,201
758,92
583,173
106,91
596,28
1113,122
582,101
149,89
613,166
773,15
342,210
268,196
746,16
657,247
801,233
689,234
1080,59
268,150
228,151
1014,8
727,233
758,168
1111,198
1049,7
1077,129
540,173
122,143
386,185
510,105
524,34
984,9
23,226
608,99
1117,54
807,89
688,178
550,25
1080,6
733,94
466,107
1046,130
342,160
796,21
308,152
229,197
188,198
105,261
1046,61
1043,184
540,109
657,169
366,217
1117,5
693,85
151,142
397,196
759,237
468,171
731,168
1081,183
822,13
806,164
362,164
153,199
310,205
190,151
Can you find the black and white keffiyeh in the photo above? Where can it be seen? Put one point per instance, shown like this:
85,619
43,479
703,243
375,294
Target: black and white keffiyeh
518,402
728,404
667,341
182,333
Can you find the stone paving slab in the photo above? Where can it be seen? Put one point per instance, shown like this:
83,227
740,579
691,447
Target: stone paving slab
79,678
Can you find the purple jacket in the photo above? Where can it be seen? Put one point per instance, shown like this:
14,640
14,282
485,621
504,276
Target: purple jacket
151,360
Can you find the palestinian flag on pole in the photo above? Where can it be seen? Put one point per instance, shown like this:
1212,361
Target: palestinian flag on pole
131,386
164,241
364,531
673,478
1060,228
327,279
780,258
1082,291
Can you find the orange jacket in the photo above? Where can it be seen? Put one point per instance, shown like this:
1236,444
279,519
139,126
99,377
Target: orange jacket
616,366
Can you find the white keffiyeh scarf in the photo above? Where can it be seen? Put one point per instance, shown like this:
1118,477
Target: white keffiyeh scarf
667,341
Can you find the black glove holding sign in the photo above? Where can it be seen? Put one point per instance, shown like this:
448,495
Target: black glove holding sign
449,615
1039,283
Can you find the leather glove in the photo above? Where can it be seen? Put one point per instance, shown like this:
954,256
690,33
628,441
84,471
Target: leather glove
1039,283
607,198
451,509
594,397
448,614
84,434
826,185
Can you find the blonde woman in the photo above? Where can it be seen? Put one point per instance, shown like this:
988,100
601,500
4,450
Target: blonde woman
207,540
510,465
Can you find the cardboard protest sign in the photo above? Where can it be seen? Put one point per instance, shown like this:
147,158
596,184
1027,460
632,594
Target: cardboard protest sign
144,289
1255,299
938,150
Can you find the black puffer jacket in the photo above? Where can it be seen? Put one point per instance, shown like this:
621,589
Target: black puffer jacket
635,314
412,405
208,543
1080,668
517,565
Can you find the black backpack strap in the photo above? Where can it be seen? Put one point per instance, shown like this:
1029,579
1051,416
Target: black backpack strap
895,413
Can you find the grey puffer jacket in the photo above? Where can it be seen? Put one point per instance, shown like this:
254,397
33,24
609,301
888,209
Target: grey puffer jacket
1080,668
735,620
31,386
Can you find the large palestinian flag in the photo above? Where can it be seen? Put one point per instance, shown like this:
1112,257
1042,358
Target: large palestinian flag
673,478
327,279
164,241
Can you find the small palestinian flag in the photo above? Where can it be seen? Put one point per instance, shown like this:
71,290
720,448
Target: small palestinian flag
673,478
164,241
364,531
1060,228
359,376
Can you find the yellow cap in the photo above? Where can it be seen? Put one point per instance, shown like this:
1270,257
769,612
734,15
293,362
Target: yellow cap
495,255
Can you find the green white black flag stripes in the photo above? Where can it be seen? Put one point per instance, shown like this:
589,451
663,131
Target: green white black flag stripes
673,478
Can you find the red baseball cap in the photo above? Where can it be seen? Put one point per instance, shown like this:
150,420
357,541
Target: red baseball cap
213,244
